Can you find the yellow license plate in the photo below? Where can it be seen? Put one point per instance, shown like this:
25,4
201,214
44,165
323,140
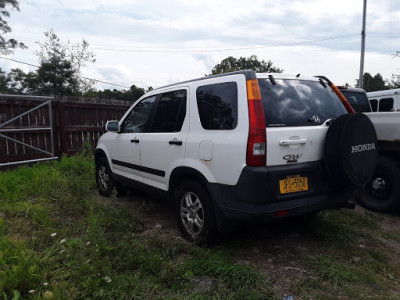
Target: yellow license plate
291,184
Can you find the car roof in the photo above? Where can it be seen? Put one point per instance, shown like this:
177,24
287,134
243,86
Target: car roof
351,89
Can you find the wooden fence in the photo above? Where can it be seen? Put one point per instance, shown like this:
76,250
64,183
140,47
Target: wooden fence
73,121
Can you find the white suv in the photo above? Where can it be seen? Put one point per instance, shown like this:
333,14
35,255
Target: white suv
239,146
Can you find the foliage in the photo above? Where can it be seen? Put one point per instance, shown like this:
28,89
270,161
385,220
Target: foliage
373,83
59,239
231,64
4,82
59,72
60,66
132,94
395,82
56,238
7,45
19,82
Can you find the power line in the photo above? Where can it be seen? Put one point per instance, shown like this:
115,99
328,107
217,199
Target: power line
36,66
206,49
150,50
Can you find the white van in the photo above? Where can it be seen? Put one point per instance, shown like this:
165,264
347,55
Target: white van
388,100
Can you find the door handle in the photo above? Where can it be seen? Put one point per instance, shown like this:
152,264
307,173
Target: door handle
136,141
292,142
175,142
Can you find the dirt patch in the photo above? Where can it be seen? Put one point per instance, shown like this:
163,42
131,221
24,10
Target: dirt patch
158,212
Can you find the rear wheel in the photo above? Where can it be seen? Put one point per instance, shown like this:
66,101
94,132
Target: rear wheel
195,213
382,193
105,183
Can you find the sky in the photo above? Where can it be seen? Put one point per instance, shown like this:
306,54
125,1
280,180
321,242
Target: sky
159,42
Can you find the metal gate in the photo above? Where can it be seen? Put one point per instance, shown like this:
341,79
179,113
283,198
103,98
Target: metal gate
22,129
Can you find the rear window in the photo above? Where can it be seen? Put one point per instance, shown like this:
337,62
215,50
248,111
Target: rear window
357,100
298,103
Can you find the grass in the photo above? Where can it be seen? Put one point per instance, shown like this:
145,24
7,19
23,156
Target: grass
57,241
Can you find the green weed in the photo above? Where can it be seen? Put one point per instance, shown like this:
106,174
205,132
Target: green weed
239,276
56,238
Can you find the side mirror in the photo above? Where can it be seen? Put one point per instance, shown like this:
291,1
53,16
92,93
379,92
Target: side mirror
112,126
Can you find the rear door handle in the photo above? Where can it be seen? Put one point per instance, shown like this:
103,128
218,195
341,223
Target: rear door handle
136,141
175,142
292,142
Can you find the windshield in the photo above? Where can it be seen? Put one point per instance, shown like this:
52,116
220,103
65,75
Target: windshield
358,100
298,103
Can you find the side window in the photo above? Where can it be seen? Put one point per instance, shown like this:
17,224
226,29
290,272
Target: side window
374,104
170,113
218,105
386,104
138,117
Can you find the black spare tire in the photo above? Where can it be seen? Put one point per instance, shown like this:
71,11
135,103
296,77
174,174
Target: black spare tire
350,151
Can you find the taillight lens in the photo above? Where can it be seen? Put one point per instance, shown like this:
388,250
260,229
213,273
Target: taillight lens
256,144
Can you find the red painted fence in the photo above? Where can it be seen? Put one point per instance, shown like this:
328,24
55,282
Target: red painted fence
74,121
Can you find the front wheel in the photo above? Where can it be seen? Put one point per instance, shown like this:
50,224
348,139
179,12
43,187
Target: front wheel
104,181
195,213
382,193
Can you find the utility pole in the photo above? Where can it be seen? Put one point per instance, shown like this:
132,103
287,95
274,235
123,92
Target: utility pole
360,80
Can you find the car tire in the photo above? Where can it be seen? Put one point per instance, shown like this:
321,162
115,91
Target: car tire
195,214
382,193
104,181
350,150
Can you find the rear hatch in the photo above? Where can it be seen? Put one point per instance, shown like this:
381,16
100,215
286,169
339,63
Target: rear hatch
298,111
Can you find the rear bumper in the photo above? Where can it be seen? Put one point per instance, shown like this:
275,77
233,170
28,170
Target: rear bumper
256,196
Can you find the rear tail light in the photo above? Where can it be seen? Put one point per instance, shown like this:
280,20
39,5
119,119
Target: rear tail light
256,144
281,213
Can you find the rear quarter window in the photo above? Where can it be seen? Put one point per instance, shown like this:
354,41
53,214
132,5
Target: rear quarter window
218,106
298,103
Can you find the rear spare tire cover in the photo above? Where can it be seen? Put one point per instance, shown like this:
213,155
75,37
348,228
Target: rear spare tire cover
350,150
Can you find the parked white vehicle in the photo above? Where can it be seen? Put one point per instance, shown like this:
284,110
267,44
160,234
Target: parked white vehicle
388,100
382,193
239,146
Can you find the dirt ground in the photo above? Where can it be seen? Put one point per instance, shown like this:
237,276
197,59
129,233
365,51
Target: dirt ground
274,249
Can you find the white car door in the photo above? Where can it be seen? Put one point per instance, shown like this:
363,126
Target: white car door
163,146
125,148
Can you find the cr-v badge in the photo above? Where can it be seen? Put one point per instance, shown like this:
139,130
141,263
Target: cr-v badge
292,158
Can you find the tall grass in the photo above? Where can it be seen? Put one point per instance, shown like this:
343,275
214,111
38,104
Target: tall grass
58,242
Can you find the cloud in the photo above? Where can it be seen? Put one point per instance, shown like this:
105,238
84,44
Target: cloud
156,42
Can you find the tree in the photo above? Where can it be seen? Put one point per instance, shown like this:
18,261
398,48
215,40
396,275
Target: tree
132,94
231,64
4,82
6,45
60,66
376,83
395,82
